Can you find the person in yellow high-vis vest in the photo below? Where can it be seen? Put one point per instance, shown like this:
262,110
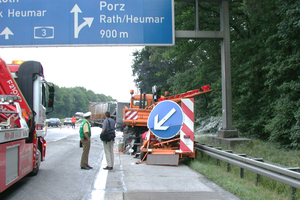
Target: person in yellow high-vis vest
85,138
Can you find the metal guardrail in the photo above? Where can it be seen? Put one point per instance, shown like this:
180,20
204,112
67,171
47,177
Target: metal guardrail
288,176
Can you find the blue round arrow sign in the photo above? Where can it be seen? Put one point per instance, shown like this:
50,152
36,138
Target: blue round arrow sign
165,120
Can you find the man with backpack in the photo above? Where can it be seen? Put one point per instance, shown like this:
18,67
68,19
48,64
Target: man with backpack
108,124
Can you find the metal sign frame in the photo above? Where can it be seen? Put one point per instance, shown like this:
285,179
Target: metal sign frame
224,36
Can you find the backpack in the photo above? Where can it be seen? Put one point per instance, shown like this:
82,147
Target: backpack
108,135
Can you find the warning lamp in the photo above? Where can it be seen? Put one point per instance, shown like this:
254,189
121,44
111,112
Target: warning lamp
131,92
205,87
166,93
17,62
24,113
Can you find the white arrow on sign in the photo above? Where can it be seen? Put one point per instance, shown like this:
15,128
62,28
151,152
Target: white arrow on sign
158,124
6,32
87,20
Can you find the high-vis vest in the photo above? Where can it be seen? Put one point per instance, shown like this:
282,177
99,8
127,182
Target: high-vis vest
81,128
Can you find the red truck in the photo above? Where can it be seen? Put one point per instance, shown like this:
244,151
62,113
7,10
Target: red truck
24,98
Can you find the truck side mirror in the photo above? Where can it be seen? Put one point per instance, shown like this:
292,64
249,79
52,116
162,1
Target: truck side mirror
51,97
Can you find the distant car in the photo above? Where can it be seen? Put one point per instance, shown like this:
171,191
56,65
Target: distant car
68,121
78,115
54,122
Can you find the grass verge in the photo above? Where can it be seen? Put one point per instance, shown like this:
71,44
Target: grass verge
247,188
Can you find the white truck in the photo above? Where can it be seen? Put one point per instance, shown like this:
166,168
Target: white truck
98,110
118,115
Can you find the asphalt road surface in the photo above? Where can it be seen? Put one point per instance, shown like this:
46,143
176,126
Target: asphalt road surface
60,176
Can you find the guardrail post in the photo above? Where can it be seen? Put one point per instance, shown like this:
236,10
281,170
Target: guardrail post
242,173
218,161
228,167
294,190
257,175
257,179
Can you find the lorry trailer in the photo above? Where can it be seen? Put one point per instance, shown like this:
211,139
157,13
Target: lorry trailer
98,110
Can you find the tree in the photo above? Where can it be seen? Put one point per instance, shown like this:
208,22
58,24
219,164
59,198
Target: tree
68,101
283,76
264,60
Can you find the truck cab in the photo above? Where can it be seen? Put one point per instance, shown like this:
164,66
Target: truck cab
25,99
36,91
141,101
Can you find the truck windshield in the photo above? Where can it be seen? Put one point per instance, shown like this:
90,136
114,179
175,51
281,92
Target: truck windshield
137,103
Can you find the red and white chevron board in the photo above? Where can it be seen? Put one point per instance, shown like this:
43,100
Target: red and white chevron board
187,131
131,115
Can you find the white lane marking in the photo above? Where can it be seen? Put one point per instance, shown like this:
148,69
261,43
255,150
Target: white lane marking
59,139
100,183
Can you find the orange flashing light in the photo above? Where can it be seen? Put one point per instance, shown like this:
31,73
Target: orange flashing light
166,93
131,92
17,62
24,113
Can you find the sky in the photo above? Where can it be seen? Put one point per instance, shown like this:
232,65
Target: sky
104,70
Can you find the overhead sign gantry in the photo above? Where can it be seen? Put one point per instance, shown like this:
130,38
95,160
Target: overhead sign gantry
86,23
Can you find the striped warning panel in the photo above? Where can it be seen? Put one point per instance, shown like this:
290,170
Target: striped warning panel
187,131
131,115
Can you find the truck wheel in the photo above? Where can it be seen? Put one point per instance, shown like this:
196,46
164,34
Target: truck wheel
125,130
128,136
37,164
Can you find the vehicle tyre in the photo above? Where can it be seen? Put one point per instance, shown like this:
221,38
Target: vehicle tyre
37,164
126,129
128,136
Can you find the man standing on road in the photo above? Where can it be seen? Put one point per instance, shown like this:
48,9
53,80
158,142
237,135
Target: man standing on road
85,138
108,124
73,121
